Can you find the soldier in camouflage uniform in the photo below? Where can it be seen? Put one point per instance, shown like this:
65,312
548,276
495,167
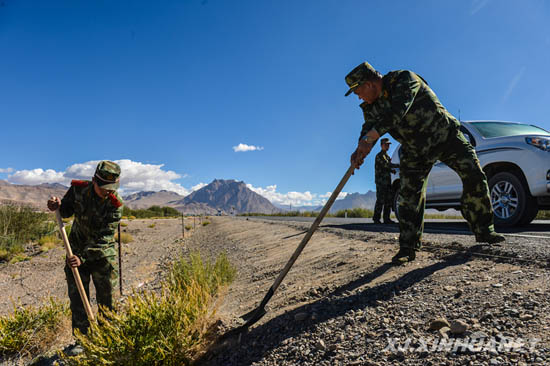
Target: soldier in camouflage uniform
383,168
97,209
402,104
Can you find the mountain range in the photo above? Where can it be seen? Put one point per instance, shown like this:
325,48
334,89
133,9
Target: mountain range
227,196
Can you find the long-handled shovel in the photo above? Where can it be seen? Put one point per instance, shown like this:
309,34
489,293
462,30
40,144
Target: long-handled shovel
256,314
76,275
119,261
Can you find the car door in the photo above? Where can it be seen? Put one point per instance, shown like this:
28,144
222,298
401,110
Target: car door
446,184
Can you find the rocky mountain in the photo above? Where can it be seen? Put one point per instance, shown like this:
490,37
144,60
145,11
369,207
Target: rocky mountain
225,195
30,195
147,199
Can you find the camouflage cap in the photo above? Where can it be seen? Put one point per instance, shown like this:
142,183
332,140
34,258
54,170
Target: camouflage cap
385,140
359,75
107,175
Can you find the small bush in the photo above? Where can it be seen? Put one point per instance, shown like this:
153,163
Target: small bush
188,227
124,238
132,218
205,223
30,329
152,226
19,258
48,242
159,329
123,224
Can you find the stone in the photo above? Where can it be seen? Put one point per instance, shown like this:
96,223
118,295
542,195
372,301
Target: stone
439,323
525,317
459,326
442,332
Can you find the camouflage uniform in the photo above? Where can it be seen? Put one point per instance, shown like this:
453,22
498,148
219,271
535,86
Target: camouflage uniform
410,112
92,240
382,178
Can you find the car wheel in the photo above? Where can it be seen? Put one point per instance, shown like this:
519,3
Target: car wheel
395,203
509,199
531,211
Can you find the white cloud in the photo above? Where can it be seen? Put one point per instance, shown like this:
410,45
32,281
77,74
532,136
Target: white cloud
198,186
37,176
292,198
7,170
245,147
135,176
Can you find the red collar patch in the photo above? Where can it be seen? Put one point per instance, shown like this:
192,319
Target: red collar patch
79,183
114,200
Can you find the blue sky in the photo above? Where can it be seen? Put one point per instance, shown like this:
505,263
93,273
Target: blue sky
171,89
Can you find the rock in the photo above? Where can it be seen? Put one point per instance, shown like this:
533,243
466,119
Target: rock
320,344
439,323
525,317
459,327
443,332
497,285
449,288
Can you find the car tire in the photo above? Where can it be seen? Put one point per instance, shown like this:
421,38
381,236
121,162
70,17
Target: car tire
395,203
531,211
509,199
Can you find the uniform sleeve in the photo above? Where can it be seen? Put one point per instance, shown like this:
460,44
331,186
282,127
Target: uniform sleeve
369,121
403,91
67,203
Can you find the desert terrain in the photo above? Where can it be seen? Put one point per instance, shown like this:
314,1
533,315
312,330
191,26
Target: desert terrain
342,303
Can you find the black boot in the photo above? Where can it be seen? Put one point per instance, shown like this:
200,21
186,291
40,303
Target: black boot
490,238
404,255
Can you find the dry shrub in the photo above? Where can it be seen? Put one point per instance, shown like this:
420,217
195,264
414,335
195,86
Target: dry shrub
124,238
30,330
159,329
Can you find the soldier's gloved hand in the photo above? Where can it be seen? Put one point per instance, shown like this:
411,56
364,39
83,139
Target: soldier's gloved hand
54,203
73,261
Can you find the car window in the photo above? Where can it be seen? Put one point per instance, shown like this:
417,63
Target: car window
500,129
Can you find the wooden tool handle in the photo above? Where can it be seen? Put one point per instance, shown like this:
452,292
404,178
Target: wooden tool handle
76,275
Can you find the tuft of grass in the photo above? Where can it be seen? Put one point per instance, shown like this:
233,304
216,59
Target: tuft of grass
167,328
124,238
123,224
48,242
188,227
152,225
543,215
205,223
19,258
31,329
131,218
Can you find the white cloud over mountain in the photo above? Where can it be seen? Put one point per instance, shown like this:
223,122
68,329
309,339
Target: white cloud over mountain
244,147
137,176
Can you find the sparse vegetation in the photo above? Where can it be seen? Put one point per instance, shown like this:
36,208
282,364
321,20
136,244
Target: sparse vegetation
159,329
355,212
124,238
151,212
205,223
188,227
543,215
20,225
48,242
123,224
29,330
152,225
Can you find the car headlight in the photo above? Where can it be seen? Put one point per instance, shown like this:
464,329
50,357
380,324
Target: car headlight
542,143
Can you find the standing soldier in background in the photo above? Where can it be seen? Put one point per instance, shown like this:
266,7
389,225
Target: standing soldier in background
383,168
97,209
402,104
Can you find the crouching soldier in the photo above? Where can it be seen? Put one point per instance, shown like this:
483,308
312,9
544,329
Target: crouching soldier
97,209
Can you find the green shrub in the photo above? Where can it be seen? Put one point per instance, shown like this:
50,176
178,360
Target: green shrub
31,329
159,329
151,212
205,223
355,212
123,224
152,225
48,242
188,227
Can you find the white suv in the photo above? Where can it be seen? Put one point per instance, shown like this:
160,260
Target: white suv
516,160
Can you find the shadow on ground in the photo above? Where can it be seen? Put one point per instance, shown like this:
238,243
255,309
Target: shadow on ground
268,336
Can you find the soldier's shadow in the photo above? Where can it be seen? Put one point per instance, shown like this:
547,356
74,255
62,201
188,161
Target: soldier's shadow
267,336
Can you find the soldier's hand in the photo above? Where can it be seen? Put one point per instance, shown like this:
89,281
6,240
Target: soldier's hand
73,261
54,203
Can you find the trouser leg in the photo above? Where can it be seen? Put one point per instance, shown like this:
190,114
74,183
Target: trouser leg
78,313
105,276
476,203
379,204
412,201
388,197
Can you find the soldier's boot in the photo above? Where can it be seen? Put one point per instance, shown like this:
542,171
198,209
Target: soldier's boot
376,221
490,238
404,255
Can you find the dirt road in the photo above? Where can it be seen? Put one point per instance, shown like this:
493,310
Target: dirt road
342,303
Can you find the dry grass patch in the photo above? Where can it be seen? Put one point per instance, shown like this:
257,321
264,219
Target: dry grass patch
124,238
